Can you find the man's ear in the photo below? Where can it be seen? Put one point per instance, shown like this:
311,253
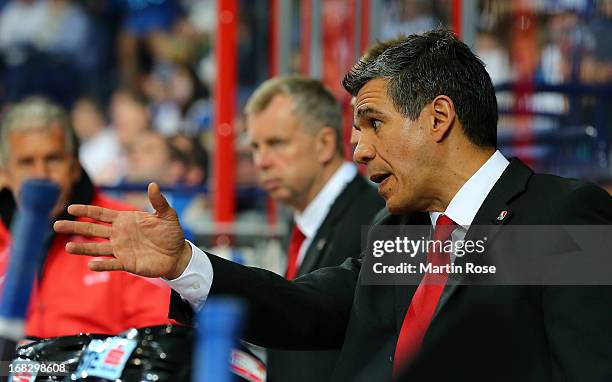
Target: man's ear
326,141
443,117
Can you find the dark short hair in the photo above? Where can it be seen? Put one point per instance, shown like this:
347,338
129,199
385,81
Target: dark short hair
419,67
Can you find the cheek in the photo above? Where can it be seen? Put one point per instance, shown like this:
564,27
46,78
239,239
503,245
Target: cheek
14,179
292,172
291,160
15,188
298,171
65,188
65,176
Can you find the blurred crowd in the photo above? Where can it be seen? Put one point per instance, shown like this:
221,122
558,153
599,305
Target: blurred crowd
551,62
123,68
552,42
136,74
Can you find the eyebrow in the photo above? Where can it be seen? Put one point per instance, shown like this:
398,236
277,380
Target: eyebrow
368,112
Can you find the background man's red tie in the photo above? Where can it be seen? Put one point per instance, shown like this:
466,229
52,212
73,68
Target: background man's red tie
425,299
295,242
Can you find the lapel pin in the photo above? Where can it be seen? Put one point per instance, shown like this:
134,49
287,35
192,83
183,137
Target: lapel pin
502,215
321,243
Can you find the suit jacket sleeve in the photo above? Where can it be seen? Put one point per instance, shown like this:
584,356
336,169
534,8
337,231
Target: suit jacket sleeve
309,313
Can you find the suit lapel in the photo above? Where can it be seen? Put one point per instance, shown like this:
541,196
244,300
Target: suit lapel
494,212
323,235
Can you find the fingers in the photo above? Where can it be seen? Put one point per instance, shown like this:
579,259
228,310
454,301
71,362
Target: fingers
102,265
98,213
157,200
91,249
82,228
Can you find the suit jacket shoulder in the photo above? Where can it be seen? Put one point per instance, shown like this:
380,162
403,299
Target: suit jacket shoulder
541,199
572,201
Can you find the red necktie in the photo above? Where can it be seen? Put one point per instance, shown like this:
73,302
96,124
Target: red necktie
297,238
425,299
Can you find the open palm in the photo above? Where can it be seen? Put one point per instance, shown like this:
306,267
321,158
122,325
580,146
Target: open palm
146,244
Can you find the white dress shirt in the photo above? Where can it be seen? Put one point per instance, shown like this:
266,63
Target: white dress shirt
195,282
467,201
315,213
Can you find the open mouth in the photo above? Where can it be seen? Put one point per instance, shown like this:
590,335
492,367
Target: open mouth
379,178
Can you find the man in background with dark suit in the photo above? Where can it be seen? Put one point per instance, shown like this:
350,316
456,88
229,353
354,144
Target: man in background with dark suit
294,128
426,121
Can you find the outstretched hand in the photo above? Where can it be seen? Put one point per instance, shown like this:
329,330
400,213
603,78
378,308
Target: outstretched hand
145,244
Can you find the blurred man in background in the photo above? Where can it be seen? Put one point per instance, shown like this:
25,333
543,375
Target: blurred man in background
99,150
38,142
294,127
153,159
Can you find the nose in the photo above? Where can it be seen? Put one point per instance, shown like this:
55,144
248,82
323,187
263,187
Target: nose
262,158
40,170
364,152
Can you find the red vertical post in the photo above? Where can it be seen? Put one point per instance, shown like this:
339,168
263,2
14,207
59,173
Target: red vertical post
457,11
225,103
305,35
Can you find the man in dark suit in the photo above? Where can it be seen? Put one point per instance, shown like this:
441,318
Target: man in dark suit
294,127
425,115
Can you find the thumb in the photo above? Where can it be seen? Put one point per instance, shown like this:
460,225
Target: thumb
158,201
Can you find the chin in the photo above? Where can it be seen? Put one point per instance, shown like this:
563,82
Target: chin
279,197
394,209
399,208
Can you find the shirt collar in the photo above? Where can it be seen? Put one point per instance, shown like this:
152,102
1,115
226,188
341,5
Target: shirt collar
467,201
311,219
